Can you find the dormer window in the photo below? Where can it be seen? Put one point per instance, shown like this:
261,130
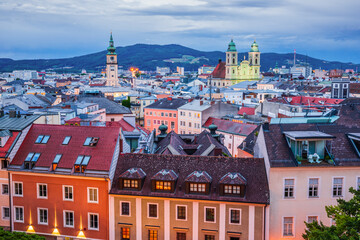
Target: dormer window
163,185
197,187
198,182
42,139
56,161
132,179
4,137
128,183
66,140
232,184
232,189
91,141
81,163
164,181
30,160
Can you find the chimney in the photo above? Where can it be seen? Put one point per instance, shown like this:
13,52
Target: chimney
169,98
266,126
201,102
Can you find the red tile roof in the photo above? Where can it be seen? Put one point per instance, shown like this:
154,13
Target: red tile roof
123,124
219,71
101,154
230,126
247,111
312,101
244,154
4,151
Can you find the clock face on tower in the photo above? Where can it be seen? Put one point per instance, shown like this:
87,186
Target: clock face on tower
112,58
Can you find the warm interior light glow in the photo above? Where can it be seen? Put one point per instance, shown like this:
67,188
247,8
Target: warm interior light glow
30,229
81,234
56,232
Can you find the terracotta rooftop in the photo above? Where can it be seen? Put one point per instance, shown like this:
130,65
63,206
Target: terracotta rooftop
219,71
228,126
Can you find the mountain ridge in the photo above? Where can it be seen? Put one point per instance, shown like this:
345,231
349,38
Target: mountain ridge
148,56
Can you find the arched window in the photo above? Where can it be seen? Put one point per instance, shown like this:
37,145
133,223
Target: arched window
256,62
250,61
233,60
255,71
233,71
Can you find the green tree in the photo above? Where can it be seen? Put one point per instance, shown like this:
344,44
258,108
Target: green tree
126,103
6,235
346,215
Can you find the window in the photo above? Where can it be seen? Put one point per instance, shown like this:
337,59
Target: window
162,114
42,190
4,189
18,189
42,139
4,163
154,121
152,210
93,221
81,163
209,237
289,188
68,193
170,114
125,233
288,226
197,187
92,195
313,187
180,212
66,140
30,160
56,161
209,214
172,125
174,114
43,216
148,122
5,213
235,216
337,187
127,183
125,208
358,183
19,214
180,236
189,124
153,234
68,219
91,141
163,185
311,219
232,189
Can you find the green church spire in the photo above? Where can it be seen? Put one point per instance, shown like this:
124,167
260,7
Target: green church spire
111,49
254,47
231,47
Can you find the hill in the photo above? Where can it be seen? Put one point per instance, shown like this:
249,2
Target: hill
147,57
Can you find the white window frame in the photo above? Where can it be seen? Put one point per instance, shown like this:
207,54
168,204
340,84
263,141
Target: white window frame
47,216
19,221
157,210
64,199
2,189
186,213
237,209
205,214
293,227
283,189
2,214
22,190
88,194
120,207
343,187
64,219
314,215
90,228
318,191
38,190
356,183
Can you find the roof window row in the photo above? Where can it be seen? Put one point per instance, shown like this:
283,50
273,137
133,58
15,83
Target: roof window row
89,141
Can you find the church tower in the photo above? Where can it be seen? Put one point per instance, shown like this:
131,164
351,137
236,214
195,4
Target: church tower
111,65
254,60
231,61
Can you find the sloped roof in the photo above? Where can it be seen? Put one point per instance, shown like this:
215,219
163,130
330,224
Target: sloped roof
199,176
168,103
309,101
101,154
110,106
228,126
133,173
165,175
233,178
247,111
219,71
5,151
17,123
252,169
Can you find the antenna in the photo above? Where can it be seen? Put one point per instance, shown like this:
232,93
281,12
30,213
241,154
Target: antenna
294,57
210,85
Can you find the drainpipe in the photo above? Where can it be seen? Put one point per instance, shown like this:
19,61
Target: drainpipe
265,221
10,203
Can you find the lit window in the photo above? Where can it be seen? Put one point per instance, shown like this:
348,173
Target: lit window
81,163
42,191
152,210
91,141
66,140
232,189
68,193
181,213
209,237
68,219
18,189
289,188
56,161
153,234
125,233
42,216
19,214
337,187
127,183
209,214
93,195
162,185
125,208
198,187
288,226
93,221
313,187
235,216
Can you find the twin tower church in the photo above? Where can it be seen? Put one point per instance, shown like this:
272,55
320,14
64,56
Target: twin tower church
225,74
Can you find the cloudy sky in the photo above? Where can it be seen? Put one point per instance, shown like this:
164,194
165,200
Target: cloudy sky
328,29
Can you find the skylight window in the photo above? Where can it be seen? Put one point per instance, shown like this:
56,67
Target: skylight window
91,141
66,140
81,163
30,160
42,139
56,161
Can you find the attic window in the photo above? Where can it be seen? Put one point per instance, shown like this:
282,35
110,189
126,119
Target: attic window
81,163
42,139
56,161
91,141
130,183
30,160
66,140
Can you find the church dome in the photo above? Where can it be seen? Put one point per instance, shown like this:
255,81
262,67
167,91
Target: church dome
231,47
111,49
254,47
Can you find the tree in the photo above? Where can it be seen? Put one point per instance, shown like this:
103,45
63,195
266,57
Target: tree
346,215
18,236
126,103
